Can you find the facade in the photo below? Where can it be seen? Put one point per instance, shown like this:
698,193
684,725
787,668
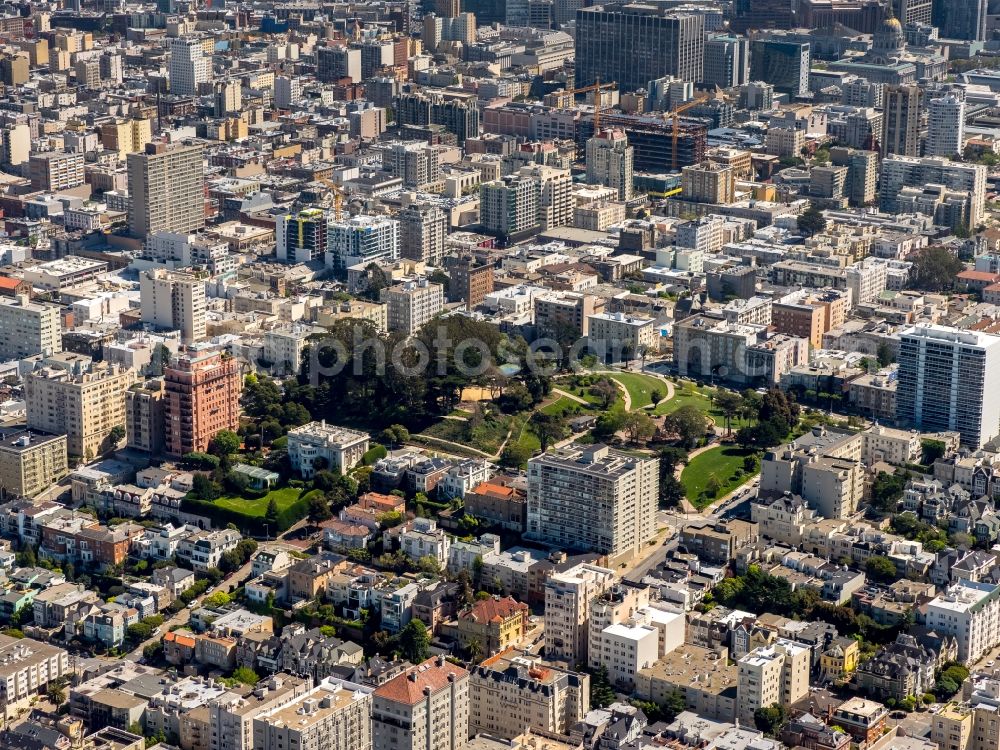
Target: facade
28,328
412,304
634,45
27,666
945,125
334,714
948,381
422,230
301,238
970,612
174,301
201,397
785,65
144,423
361,239
190,67
568,599
727,61
772,674
592,498
166,187
610,162
902,120
425,708
622,336
55,171
709,182
31,462
83,404
317,443
509,206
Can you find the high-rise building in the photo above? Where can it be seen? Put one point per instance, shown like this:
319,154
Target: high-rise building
568,599
31,462
422,229
412,304
458,113
762,14
968,611
949,379
189,67
961,19
727,61
708,182
610,162
231,715
415,163
361,239
913,11
425,708
469,281
126,136
56,170
945,125
862,173
15,143
769,675
28,328
202,396
68,394
287,91
785,65
335,63
555,195
635,44
334,714
509,206
592,498
902,120
174,301
144,416
899,172
166,187
301,238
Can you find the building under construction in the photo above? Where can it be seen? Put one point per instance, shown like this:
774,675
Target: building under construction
653,139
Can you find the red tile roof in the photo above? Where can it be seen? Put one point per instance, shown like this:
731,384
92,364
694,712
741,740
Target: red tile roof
6,282
409,687
495,610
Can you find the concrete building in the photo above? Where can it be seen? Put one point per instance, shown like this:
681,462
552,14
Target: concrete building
592,498
945,125
202,397
509,206
949,381
166,188
783,64
727,61
173,301
422,229
231,715
56,170
703,676
412,304
144,416
565,315
27,667
82,400
970,612
336,63
190,67
708,182
334,714
903,119
361,239
862,173
31,462
337,448
622,336
568,599
899,172
126,136
610,162
769,675
425,708
28,328
301,238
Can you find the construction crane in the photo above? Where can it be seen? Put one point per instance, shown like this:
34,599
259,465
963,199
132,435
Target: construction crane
338,196
675,128
596,87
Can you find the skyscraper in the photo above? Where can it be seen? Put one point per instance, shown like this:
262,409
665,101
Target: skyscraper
727,61
635,44
166,188
610,162
189,66
509,206
301,238
960,19
945,125
949,379
902,120
785,65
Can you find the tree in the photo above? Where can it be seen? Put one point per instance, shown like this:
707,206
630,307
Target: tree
414,642
730,404
56,692
605,390
394,435
549,428
935,269
884,355
203,488
319,508
932,450
514,455
887,489
811,221
271,514
225,443
639,426
881,569
246,676
601,692
116,435
770,719
688,423
656,396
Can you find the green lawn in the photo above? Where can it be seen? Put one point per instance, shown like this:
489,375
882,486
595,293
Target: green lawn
564,407
721,462
486,434
284,498
701,399
640,387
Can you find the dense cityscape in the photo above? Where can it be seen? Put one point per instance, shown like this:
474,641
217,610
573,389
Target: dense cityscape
500,375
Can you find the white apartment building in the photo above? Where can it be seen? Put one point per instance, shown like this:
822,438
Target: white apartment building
337,449
412,304
189,66
26,667
28,328
425,539
361,239
623,336
970,612
592,498
284,345
334,714
945,125
174,301
610,161
425,708
772,674
568,598
625,649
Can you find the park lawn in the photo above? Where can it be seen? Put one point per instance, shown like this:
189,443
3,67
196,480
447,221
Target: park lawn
640,387
486,436
721,462
701,399
257,507
562,406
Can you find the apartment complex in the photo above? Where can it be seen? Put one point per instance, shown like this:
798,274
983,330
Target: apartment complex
174,301
71,395
425,708
28,328
31,461
166,187
361,239
594,498
769,675
970,612
610,162
568,599
201,397
412,304
27,666
334,714
144,421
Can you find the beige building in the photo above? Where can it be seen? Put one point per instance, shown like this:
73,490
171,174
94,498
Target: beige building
562,315
231,715
126,136
174,301
592,498
623,336
28,328
335,715
548,699
769,675
568,599
787,142
412,304
339,448
144,418
26,668
704,677
373,312
31,462
166,187
425,708
56,170
85,401
708,182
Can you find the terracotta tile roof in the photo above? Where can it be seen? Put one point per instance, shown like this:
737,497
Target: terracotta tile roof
488,488
978,276
180,638
495,610
409,687
6,282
